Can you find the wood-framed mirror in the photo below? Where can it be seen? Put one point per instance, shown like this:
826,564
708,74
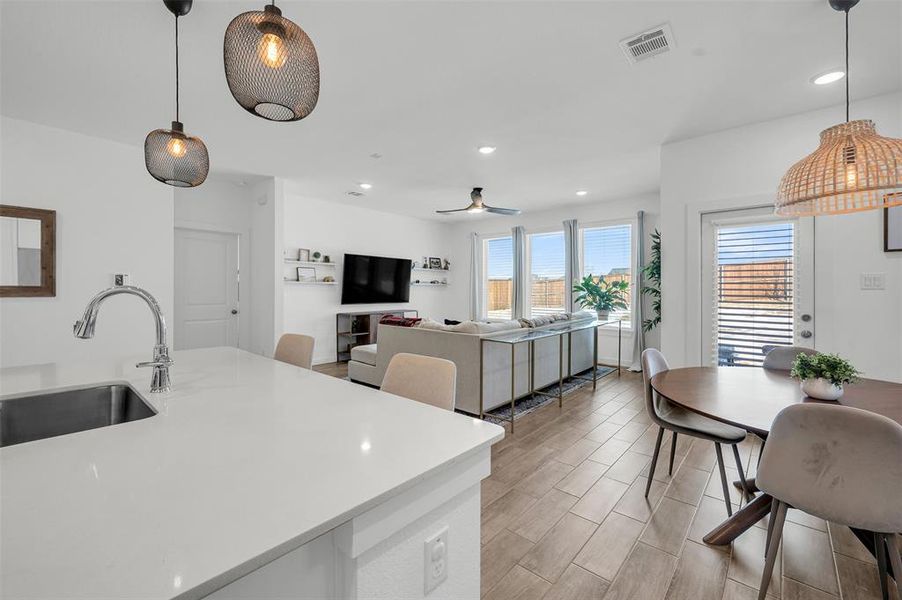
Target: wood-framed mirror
27,252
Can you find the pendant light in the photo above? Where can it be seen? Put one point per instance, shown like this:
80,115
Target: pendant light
853,169
172,156
271,65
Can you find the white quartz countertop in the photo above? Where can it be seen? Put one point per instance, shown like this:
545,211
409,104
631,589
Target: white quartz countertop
247,459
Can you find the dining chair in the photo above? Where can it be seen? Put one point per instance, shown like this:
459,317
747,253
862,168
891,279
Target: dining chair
295,349
840,464
676,419
422,378
780,358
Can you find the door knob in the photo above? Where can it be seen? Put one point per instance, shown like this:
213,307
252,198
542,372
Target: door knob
806,318
234,311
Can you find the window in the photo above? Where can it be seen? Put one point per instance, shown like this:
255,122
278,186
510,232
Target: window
546,274
753,291
608,253
499,277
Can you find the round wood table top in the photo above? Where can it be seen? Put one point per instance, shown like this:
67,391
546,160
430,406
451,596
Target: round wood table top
750,398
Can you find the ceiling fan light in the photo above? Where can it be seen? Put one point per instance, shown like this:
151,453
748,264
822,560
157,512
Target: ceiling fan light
174,158
853,169
271,65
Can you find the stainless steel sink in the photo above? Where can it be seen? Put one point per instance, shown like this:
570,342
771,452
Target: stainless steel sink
49,414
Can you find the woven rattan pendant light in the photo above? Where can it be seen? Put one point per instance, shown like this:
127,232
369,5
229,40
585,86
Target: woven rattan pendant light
172,156
271,65
853,169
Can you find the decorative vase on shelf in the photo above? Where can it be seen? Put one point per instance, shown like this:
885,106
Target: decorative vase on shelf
603,314
821,389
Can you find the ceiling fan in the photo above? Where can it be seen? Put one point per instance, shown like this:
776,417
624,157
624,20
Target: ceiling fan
477,206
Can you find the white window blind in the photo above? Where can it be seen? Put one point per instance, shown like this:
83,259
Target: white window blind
608,253
546,273
754,291
499,277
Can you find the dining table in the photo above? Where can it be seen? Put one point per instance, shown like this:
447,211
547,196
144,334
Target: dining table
750,398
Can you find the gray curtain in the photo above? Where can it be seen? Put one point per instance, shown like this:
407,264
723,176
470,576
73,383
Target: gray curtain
571,261
638,299
476,308
520,284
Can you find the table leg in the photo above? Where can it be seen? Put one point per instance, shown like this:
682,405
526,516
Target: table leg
513,391
595,360
751,482
560,371
741,520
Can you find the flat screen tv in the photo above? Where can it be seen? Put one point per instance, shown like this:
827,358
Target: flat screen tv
375,279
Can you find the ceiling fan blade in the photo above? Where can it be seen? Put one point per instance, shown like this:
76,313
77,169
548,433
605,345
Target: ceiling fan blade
502,211
455,210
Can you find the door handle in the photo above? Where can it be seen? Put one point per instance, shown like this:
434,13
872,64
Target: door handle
234,311
805,334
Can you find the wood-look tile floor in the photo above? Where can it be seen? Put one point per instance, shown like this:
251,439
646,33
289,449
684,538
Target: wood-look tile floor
564,515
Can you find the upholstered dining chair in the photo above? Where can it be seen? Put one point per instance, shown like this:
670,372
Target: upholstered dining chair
676,419
780,358
422,378
840,464
295,349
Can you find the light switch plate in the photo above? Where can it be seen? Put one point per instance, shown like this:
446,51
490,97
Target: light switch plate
436,559
873,281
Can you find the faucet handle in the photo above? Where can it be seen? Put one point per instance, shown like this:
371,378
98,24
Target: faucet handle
163,362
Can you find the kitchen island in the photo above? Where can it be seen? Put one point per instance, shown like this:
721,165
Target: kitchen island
255,479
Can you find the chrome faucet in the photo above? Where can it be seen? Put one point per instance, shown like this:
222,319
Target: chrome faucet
84,329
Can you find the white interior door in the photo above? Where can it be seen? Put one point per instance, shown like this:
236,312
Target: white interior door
206,289
757,285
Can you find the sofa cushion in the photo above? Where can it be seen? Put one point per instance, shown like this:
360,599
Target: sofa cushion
399,321
365,354
472,327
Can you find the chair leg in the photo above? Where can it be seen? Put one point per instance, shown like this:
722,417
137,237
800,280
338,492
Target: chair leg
772,547
774,505
654,460
745,485
880,548
672,453
895,559
723,479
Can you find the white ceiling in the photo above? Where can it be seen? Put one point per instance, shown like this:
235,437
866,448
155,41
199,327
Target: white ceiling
424,83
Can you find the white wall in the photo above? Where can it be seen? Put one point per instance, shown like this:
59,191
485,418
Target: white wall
266,265
586,214
742,167
112,217
335,229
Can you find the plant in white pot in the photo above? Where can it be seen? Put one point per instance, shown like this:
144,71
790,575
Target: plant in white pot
823,375
601,296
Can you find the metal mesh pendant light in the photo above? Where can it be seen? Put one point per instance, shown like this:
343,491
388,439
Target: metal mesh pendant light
170,155
271,65
853,169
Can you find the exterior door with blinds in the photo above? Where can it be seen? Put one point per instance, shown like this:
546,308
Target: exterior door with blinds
757,285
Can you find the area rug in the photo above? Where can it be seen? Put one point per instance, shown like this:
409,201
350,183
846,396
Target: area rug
527,404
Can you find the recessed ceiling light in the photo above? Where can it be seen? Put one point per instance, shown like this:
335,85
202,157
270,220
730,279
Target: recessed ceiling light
366,186
581,193
486,149
829,77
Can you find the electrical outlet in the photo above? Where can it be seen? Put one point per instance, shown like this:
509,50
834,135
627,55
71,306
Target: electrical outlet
436,559
120,279
873,281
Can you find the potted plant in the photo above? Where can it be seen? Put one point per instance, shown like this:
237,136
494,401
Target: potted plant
601,296
652,287
823,375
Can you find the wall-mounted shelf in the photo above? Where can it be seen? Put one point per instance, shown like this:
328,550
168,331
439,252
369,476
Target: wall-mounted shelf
427,284
309,263
431,270
295,282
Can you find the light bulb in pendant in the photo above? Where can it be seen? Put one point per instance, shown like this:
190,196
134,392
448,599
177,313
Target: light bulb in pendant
849,156
177,147
271,50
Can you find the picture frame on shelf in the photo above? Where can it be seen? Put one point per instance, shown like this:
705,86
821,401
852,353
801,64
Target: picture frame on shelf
435,262
303,254
892,229
306,274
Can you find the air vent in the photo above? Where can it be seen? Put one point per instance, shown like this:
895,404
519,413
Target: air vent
647,44
355,194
